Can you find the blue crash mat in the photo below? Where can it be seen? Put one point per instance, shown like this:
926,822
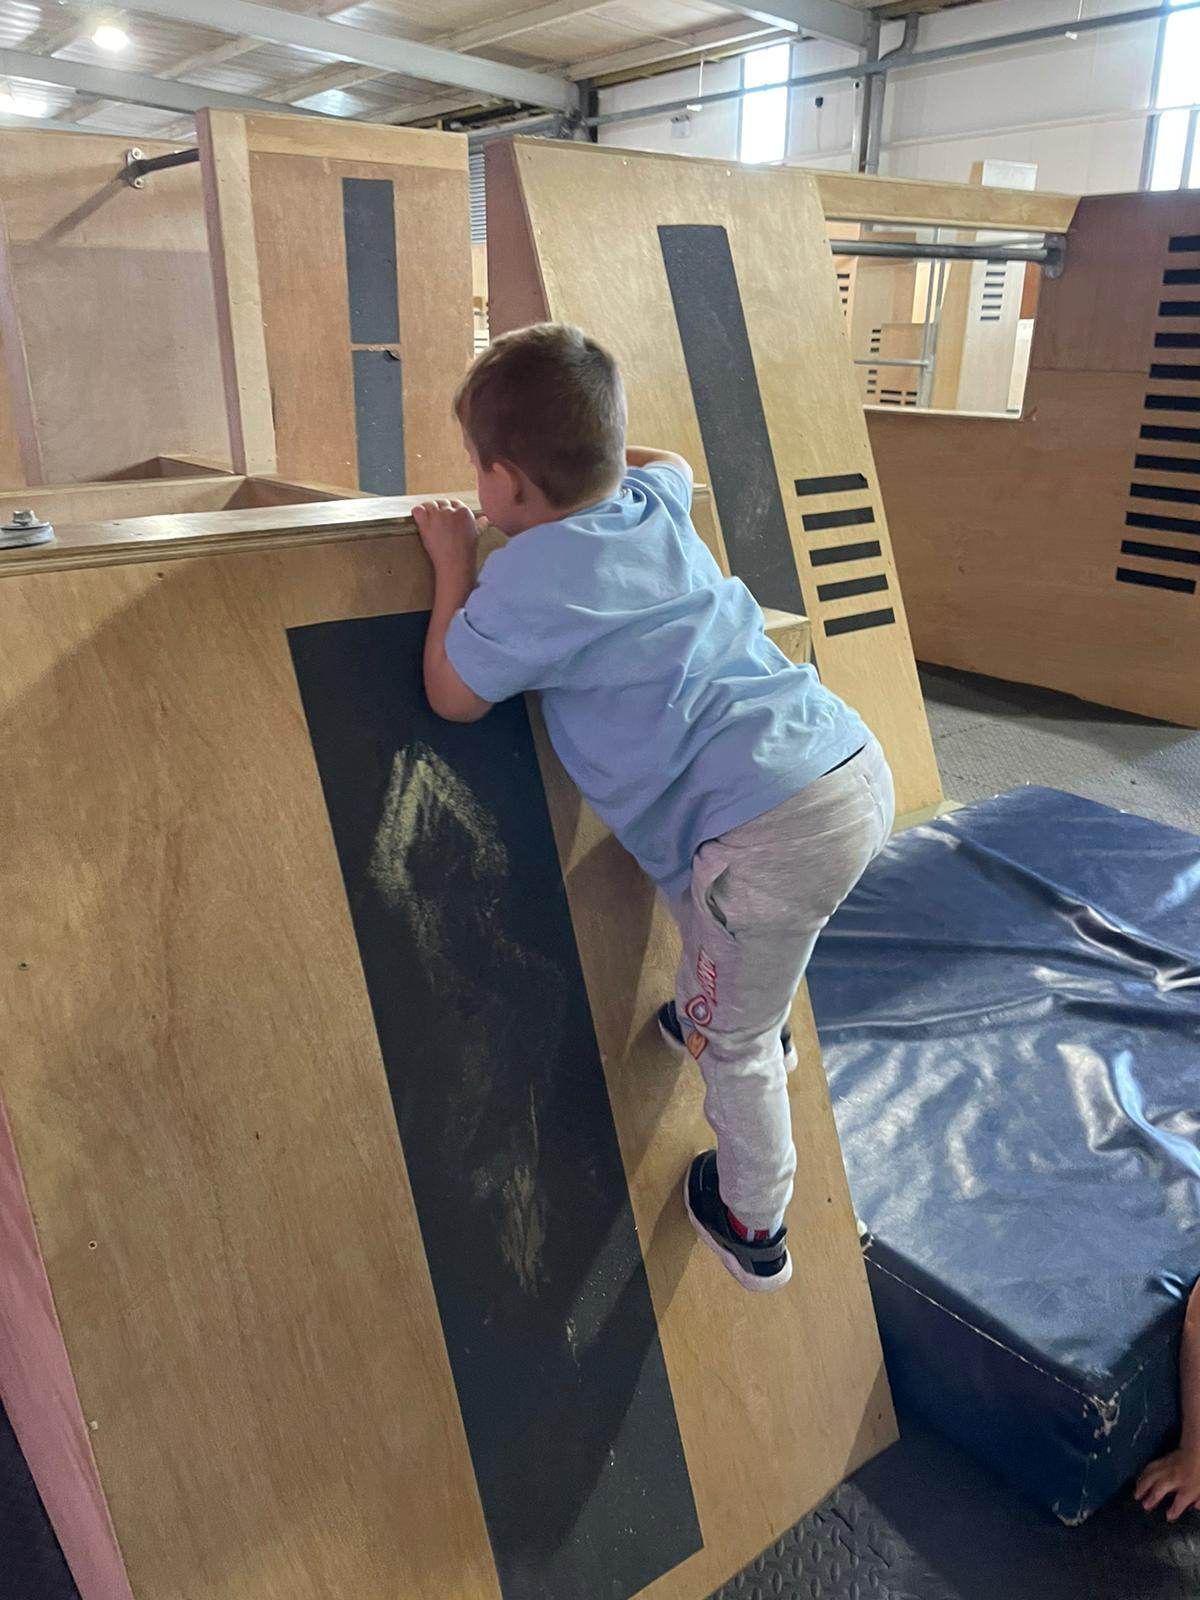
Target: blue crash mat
1010,1009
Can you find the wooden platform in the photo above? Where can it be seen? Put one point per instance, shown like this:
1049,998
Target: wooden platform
714,287
343,1251
1063,549
106,309
341,256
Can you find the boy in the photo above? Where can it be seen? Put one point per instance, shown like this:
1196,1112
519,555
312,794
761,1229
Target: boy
748,792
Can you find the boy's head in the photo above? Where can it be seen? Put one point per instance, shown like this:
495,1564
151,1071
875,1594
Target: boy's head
543,417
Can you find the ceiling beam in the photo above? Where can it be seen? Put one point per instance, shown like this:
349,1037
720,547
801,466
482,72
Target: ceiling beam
130,88
340,75
229,49
389,54
423,110
484,33
824,19
46,42
723,36
215,56
13,119
507,27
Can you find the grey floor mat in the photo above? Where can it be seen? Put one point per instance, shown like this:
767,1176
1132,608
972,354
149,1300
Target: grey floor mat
992,736
924,1522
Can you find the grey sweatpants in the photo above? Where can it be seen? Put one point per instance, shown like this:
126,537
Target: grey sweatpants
760,895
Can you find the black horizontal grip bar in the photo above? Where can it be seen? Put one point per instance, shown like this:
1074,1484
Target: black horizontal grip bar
173,158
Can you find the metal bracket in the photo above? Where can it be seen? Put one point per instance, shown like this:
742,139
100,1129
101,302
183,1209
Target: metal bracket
138,164
1056,255
25,528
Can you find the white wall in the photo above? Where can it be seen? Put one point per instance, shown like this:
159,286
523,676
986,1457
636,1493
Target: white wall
824,134
1075,107
712,131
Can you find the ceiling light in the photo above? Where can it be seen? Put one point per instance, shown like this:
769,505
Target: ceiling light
24,105
109,37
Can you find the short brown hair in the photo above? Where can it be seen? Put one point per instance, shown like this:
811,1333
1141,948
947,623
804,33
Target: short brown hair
551,401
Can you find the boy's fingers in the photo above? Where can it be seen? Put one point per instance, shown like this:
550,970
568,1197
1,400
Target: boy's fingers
1153,1493
1179,1505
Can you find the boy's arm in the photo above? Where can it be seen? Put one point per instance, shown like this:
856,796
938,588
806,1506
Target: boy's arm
451,538
640,456
1178,1474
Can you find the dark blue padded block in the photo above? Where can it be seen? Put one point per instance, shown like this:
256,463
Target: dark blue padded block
1010,1009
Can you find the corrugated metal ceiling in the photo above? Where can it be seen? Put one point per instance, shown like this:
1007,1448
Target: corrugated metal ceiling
211,59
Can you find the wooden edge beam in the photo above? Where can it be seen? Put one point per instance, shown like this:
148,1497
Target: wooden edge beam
791,633
862,197
193,533
914,819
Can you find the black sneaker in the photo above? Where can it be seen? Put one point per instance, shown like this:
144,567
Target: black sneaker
673,1034
761,1268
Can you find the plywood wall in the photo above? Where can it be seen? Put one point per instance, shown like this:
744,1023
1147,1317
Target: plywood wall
1063,549
106,308
343,269
715,288
346,1160
980,312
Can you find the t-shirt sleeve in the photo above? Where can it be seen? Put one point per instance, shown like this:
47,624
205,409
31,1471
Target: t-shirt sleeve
671,484
503,640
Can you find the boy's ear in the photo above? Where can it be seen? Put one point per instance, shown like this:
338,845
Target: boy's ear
515,480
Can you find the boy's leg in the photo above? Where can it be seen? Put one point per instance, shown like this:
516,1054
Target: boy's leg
760,897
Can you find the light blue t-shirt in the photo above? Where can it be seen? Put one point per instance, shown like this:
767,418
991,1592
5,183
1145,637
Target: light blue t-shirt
675,715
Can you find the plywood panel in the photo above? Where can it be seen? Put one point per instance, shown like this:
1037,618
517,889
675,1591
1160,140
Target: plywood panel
1008,535
12,467
91,502
889,385
107,308
866,198
313,396
1026,548
202,1120
223,1209
773,1460
1102,314
981,306
174,538
875,294
594,219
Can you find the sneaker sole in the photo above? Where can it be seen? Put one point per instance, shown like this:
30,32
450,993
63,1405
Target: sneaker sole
748,1280
790,1058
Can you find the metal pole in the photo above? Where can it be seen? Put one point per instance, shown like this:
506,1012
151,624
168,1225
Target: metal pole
878,87
1148,149
1044,254
868,98
1189,150
1150,136
137,165
925,387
